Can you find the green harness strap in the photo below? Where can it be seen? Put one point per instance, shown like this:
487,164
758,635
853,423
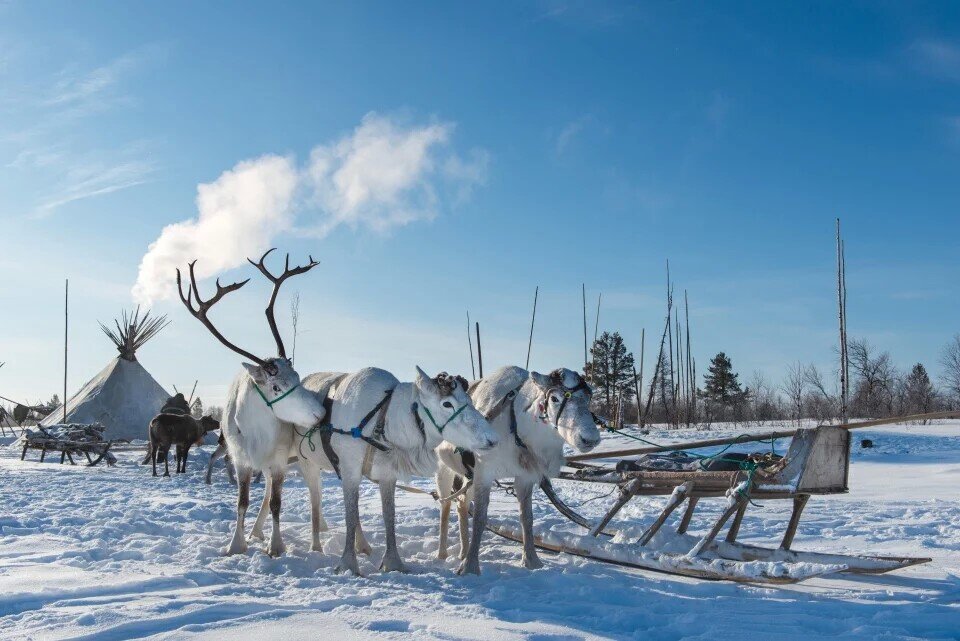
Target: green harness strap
277,399
452,416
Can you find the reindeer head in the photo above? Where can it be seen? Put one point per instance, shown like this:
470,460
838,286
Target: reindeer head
274,379
451,413
565,405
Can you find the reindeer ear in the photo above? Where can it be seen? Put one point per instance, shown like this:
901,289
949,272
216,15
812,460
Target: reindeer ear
543,382
256,373
425,383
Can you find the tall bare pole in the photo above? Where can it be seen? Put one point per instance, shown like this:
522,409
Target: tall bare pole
66,344
673,389
691,375
638,379
586,359
479,352
533,319
194,390
596,325
473,372
842,317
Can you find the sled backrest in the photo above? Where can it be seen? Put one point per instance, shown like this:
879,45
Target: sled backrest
818,461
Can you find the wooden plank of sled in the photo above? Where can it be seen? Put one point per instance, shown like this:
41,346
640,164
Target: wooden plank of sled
856,564
672,564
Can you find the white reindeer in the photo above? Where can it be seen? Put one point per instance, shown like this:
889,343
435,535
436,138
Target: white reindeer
384,430
534,415
263,403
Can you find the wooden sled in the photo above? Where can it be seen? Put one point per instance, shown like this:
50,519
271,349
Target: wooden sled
817,462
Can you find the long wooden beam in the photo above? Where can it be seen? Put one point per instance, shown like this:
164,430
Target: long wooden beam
752,438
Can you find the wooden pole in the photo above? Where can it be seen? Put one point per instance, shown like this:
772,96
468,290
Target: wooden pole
66,344
193,391
752,438
473,372
479,352
533,319
586,359
596,325
691,378
842,338
638,380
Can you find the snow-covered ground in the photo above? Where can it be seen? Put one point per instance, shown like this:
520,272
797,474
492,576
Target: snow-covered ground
112,553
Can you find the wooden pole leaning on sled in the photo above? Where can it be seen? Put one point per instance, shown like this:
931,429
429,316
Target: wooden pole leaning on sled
817,462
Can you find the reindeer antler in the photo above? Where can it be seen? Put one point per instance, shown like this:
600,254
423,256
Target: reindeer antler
277,282
203,306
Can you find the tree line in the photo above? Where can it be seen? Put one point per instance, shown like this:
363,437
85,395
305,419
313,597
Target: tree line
878,388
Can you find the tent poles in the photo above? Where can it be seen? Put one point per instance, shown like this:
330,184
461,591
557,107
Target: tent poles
532,320
66,328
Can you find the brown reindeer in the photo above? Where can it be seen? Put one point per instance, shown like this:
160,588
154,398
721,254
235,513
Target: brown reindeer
184,431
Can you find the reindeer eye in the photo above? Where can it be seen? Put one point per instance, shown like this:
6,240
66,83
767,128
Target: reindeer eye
448,405
276,388
554,399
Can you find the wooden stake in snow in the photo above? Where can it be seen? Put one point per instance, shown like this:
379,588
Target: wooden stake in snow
473,372
66,334
479,352
586,359
842,315
533,319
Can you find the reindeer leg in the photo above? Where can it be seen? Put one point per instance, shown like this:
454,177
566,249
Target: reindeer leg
312,477
231,471
239,545
257,532
351,504
360,544
524,490
444,527
217,453
391,558
463,521
276,487
154,453
166,461
481,501
186,453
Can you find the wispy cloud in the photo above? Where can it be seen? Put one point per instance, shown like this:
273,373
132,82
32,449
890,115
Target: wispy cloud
95,180
47,118
938,58
379,176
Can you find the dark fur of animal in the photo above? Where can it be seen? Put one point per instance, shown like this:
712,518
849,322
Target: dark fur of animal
183,431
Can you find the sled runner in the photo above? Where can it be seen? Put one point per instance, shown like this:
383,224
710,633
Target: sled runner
816,463
69,440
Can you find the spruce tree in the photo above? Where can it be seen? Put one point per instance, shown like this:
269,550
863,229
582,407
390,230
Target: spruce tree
920,393
196,408
610,370
720,382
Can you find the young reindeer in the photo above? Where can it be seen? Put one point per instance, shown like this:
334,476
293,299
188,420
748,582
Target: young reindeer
384,430
263,401
534,415
184,431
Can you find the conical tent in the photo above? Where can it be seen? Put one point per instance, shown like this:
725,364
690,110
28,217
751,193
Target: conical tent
123,397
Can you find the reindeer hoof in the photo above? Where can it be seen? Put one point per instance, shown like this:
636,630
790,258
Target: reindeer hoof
237,548
275,551
393,565
258,535
532,562
316,546
468,567
363,548
167,474
442,555
347,565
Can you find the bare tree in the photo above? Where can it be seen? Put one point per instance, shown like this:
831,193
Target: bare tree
950,360
876,377
794,386
821,404
765,405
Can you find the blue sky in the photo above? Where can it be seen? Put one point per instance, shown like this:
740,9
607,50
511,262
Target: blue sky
443,157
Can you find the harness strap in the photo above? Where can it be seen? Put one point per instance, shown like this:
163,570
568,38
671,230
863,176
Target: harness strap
327,430
277,399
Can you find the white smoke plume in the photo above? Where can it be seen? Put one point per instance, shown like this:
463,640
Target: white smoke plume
380,176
